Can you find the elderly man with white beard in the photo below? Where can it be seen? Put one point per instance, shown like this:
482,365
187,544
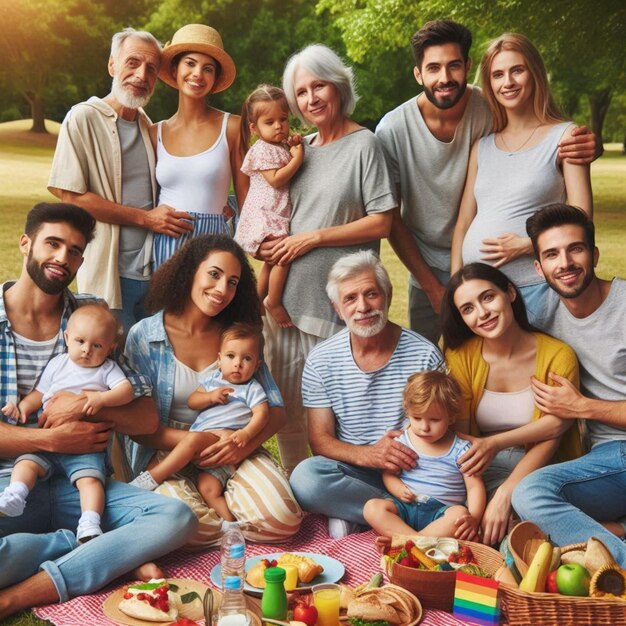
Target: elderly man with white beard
352,389
104,163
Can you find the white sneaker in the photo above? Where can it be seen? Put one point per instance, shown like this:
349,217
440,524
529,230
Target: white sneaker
144,481
87,531
340,528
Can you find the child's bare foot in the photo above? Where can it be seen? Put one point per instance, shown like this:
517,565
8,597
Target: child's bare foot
278,312
147,572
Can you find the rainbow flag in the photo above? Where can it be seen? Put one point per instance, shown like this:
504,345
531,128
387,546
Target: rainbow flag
476,600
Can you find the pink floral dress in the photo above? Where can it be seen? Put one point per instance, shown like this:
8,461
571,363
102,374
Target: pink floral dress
266,210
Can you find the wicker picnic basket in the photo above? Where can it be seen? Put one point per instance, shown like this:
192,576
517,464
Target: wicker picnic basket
435,590
521,608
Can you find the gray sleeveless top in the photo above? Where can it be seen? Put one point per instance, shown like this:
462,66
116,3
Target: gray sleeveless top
510,187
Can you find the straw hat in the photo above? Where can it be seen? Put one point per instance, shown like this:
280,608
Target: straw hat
203,39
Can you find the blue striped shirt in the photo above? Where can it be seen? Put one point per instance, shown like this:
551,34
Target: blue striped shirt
366,404
8,362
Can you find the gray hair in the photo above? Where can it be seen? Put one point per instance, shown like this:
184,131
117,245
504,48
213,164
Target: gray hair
353,265
119,38
322,62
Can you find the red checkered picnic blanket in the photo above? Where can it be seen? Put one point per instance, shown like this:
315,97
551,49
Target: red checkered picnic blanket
356,552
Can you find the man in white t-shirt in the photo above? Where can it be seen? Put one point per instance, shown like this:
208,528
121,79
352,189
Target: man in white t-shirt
581,498
352,389
427,143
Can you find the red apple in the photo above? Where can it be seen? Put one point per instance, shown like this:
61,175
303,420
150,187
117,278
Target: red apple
551,586
306,613
572,579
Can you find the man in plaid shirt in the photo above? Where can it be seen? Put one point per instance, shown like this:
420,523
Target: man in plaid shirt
41,561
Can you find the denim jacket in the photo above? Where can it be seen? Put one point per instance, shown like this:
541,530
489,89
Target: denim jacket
150,352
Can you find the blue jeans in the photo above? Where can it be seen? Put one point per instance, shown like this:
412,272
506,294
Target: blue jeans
74,466
422,317
335,489
534,298
419,514
139,526
566,499
133,294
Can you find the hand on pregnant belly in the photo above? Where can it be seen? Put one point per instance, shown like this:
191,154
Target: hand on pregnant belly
505,248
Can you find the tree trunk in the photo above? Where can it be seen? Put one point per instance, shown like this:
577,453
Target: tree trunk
599,101
37,112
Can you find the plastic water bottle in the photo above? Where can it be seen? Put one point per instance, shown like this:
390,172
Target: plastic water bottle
233,555
232,611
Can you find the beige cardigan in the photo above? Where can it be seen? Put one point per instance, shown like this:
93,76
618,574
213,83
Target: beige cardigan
88,158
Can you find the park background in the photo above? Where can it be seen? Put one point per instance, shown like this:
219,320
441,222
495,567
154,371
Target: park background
54,54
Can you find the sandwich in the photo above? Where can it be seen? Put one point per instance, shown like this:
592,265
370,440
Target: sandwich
386,606
152,601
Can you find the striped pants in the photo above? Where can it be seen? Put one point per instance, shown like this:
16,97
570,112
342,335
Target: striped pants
286,350
258,495
204,224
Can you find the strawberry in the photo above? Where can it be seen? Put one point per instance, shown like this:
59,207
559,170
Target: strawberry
141,596
406,561
408,545
128,596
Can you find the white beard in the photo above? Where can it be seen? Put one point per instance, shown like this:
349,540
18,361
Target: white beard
126,98
368,331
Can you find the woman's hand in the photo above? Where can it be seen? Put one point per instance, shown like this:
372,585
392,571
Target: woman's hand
294,246
495,522
505,248
478,458
267,251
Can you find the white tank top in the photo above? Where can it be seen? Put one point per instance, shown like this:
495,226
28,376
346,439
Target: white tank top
186,381
197,183
499,410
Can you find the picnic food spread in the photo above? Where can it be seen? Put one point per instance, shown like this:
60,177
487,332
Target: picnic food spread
307,568
152,601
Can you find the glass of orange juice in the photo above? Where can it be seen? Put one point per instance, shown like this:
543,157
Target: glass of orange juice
326,601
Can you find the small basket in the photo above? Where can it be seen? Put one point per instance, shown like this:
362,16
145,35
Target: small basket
521,608
435,590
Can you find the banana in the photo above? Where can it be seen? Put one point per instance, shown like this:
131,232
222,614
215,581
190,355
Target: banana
555,562
538,570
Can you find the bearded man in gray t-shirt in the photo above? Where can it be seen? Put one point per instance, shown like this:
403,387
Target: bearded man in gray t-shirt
427,143
585,497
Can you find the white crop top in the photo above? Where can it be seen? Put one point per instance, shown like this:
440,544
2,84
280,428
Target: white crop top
498,411
197,183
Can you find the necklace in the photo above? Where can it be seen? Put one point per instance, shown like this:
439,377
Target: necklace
512,152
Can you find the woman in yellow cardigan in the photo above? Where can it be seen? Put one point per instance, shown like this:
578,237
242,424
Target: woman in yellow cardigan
493,352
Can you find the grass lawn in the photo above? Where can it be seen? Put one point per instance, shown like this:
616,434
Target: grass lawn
25,160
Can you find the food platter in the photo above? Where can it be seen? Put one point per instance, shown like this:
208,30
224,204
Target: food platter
333,571
193,610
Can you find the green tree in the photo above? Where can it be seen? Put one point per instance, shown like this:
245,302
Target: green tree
582,41
47,46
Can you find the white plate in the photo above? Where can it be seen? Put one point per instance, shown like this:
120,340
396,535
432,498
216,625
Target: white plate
333,570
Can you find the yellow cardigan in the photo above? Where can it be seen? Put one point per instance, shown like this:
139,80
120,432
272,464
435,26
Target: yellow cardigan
470,370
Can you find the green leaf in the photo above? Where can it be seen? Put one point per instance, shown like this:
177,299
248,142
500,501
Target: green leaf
187,598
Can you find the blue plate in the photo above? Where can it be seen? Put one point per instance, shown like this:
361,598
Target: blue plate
333,571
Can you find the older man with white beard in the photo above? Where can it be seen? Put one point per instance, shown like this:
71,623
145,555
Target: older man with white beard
104,163
352,389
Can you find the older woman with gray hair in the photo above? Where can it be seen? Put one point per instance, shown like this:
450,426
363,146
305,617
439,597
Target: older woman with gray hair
342,197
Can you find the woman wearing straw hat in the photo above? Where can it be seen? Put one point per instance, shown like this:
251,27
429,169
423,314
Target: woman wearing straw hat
198,149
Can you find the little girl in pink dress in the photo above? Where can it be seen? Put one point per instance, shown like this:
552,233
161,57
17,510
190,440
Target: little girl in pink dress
270,163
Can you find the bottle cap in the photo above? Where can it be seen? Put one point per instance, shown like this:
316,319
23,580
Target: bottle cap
232,582
274,575
237,550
